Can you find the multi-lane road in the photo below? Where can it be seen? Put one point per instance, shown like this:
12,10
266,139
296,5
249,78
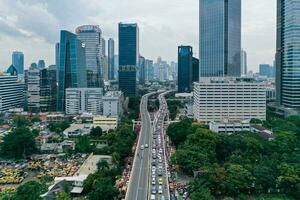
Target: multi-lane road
149,175
139,179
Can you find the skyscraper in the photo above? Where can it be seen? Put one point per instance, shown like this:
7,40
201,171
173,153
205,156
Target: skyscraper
127,80
128,44
72,67
128,57
288,54
18,61
90,36
244,64
266,70
142,70
103,47
111,58
220,38
41,64
185,68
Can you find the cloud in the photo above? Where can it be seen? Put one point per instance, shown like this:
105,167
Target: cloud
163,25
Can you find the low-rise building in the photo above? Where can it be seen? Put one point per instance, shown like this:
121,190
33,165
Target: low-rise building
113,104
105,123
232,99
229,127
76,130
58,147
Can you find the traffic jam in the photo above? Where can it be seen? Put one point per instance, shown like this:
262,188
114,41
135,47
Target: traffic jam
159,187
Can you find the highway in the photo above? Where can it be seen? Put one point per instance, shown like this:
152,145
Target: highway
139,179
160,169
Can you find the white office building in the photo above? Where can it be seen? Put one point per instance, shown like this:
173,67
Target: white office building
84,100
232,99
11,93
113,104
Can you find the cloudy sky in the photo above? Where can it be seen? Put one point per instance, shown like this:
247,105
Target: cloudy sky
32,26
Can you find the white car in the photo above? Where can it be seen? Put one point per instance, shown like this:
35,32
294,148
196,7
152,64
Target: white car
142,147
160,189
146,145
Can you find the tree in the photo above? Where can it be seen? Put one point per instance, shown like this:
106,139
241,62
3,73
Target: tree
103,189
18,144
198,190
238,179
30,191
83,145
35,119
96,132
20,121
102,165
62,196
179,131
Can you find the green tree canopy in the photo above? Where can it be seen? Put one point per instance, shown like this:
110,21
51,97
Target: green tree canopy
20,143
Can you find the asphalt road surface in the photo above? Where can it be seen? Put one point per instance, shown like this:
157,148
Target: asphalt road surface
139,180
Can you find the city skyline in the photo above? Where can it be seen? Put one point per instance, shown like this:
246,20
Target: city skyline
258,30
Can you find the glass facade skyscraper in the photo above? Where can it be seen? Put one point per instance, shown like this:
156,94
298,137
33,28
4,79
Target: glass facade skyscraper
128,58
128,44
288,53
18,61
72,66
111,59
220,38
185,68
90,36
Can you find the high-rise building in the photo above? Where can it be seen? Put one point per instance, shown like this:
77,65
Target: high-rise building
127,80
90,36
52,78
57,54
72,67
84,100
128,57
142,70
288,54
45,90
113,104
195,70
185,68
220,38
128,44
150,70
11,93
116,58
18,61
111,59
229,99
41,64
103,47
266,70
33,89
244,64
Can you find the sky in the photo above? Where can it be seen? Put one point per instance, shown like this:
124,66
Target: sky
33,26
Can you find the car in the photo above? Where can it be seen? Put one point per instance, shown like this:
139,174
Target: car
160,181
142,147
184,196
160,160
154,156
153,190
153,162
153,181
153,168
160,189
159,172
153,196
153,173
146,146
